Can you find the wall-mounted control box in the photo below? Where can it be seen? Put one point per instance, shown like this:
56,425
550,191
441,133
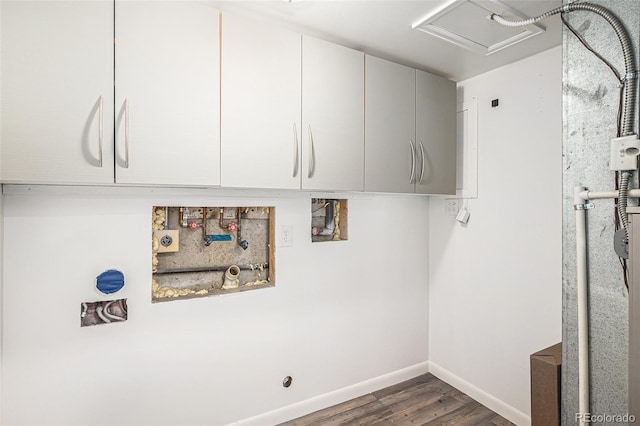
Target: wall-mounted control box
624,153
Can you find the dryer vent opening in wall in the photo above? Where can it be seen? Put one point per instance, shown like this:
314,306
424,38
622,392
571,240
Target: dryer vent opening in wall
208,251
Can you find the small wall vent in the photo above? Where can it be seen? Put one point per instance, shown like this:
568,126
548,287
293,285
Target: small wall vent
465,23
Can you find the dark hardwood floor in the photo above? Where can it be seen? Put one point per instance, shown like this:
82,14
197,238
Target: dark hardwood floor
424,400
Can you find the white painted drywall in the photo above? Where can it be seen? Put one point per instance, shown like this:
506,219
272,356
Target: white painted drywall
1,236
341,312
495,284
1,287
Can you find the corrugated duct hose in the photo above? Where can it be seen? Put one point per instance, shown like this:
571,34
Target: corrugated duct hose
628,81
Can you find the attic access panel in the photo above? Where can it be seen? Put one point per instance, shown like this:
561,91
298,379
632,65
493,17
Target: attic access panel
465,23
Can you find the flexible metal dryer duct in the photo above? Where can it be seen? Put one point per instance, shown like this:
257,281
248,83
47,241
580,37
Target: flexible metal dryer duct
629,81
631,74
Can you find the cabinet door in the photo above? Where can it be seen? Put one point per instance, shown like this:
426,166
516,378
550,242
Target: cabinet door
390,122
167,93
56,90
435,134
261,105
332,116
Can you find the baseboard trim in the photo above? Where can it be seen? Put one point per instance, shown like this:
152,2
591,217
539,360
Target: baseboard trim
505,410
329,399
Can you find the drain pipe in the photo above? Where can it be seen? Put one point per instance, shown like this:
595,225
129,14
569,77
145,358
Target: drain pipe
602,195
582,203
582,290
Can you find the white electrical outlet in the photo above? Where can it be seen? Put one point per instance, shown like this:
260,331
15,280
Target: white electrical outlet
451,206
286,236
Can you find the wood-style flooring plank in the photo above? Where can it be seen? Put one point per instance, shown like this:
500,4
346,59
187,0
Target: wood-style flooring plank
423,400
408,384
424,414
417,396
472,414
435,401
363,415
318,416
498,420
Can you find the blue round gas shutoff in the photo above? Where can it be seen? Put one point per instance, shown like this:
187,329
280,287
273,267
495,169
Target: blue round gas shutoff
110,281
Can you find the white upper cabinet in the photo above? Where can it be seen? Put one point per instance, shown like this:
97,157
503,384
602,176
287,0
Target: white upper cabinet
167,93
435,134
171,93
261,105
332,116
410,129
390,122
56,92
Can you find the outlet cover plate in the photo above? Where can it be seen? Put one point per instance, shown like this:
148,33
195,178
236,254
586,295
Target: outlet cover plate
286,236
451,207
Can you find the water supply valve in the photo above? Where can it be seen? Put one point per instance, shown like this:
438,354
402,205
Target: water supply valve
624,153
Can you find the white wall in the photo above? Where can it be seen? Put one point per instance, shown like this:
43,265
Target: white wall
1,287
341,313
495,284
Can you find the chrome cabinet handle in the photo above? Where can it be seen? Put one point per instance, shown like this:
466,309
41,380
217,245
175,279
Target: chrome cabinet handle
100,130
423,161
413,161
126,133
312,155
295,150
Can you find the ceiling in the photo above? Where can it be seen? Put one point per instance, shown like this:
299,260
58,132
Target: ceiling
384,28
